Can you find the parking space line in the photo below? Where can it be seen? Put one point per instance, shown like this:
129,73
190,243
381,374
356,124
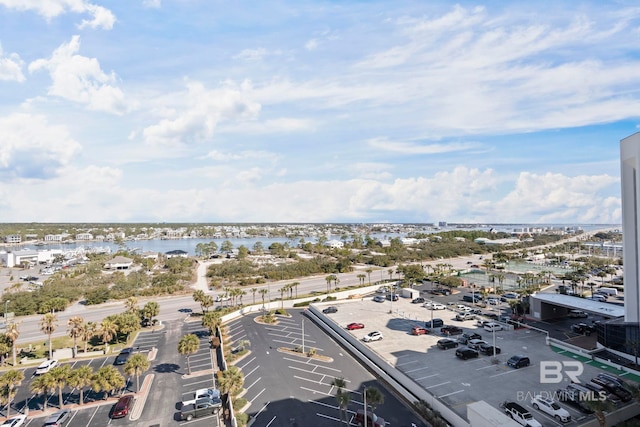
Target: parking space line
243,366
260,411
195,383
417,369
268,424
438,385
308,362
327,417
406,363
256,396
449,394
252,371
231,329
315,391
503,373
428,376
253,383
317,381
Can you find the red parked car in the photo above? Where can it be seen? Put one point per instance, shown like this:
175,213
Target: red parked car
352,326
418,330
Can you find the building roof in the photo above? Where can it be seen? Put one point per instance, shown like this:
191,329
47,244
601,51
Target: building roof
577,303
120,260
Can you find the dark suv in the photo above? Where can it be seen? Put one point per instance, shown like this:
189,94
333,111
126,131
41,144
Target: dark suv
518,361
450,330
465,338
124,355
446,343
613,388
465,353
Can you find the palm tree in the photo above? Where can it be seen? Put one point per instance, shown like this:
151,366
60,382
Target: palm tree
599,407
150,310
9,381
188,345
282,291
374,397
253,291
107,379
361,278
13,333
74,329
108,330
206,303
136,366
198,296
88,332
340,383
81,378
263,292
131,305
231,380
60,375
369,271
48,325
43,384
211,320
295,285
328,279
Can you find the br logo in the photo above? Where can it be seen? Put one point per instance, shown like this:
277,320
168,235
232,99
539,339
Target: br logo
553,372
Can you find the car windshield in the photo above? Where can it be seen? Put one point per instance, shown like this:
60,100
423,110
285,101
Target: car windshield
555,406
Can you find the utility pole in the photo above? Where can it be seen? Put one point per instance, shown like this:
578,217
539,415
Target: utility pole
302,336
364,394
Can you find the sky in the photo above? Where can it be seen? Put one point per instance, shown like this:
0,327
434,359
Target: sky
316,111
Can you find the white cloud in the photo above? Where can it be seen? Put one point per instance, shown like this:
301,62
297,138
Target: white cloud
311,44
194,115
154,4
252,54
241,155
80,79
428,148
11,67
101,17
32,148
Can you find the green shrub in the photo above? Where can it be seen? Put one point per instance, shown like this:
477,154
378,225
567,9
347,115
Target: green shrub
239,403
242,419
282,312
302,303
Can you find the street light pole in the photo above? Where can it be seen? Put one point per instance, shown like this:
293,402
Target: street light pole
6,311
364,394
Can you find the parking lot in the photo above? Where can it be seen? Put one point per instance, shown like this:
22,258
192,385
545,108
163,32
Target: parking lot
454,381
162,406
294,390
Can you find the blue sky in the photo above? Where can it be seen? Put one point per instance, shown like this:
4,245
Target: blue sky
315,111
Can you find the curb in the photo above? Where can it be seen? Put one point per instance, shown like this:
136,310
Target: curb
141,397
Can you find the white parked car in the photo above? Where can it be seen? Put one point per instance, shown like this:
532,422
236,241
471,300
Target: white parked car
551,407
221,298
16,421
493,301
492,326
372,336
46,366
435,306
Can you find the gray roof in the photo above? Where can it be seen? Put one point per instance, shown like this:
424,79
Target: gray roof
577,303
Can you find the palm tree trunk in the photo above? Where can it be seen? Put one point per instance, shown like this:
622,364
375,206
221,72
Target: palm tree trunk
61,402
50,348
81,396
188,366
14,351
45,401
137,382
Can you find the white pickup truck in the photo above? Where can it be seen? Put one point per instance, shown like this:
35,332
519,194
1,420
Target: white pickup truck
190,398
520,415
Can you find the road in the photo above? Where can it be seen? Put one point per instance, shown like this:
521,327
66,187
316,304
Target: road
172,307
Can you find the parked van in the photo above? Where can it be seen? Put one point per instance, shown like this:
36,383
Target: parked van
471,298
436,323
608,291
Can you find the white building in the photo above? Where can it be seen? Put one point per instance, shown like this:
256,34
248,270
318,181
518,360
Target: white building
630,177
